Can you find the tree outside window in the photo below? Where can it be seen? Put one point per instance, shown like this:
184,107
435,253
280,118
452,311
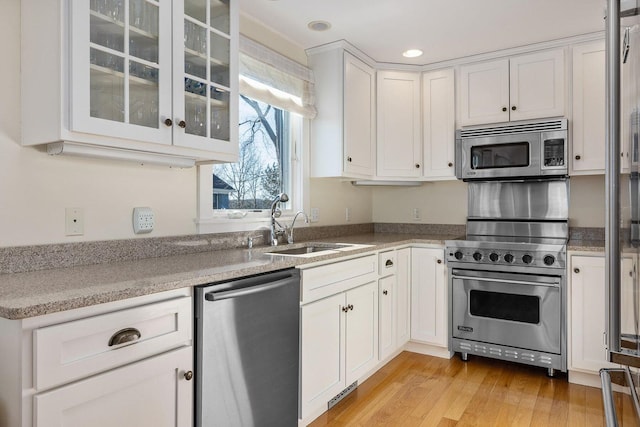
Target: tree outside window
263,169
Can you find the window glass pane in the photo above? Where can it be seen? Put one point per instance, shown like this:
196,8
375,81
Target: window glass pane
263,169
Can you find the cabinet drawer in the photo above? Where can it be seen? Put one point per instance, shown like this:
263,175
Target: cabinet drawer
387,263
77,349
320,282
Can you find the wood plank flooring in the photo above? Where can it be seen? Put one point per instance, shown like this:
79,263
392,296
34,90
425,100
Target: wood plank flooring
418,390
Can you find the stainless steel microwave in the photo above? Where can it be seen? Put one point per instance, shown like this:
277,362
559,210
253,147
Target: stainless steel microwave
512,150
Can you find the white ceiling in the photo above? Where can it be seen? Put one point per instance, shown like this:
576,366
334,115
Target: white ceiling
443,29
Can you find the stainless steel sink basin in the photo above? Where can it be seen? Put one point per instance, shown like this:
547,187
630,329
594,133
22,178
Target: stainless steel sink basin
308,249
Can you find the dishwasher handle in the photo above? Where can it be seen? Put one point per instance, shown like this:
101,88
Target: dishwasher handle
259,286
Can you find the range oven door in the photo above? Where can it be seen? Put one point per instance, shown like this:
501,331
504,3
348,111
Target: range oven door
516,310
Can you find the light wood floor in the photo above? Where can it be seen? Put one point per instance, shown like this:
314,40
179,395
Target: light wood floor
417,390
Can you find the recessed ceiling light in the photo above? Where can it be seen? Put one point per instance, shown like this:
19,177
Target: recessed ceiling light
319,25
412,53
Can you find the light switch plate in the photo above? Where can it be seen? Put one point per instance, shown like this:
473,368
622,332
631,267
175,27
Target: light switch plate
315,215
143,220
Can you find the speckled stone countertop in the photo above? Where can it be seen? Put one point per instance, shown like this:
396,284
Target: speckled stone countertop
36,293
586,245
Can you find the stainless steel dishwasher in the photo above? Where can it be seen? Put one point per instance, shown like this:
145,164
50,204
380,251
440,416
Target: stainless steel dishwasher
247,351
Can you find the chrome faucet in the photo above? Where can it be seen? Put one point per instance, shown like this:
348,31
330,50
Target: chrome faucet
276,228
289,230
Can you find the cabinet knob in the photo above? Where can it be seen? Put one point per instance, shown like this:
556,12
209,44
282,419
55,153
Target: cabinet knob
168,122
349,159
576,270
188,375
578,157
182,124
417,165
449,164
350,306
385,292
513,108
504,108
124,336
345,308
439,261
388,263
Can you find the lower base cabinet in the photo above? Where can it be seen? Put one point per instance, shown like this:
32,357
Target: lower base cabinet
150,393
429,306
587,340
339,344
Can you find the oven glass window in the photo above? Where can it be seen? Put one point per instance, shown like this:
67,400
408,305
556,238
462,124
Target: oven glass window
497,305
553,152
511,155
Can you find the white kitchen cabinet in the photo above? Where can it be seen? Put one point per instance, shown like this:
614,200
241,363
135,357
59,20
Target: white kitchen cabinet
588,142
158,77
339,344
69,368
399,142
342,142
151,393
403,296
387,294
438,124
587,322
394,298
428,297
519,88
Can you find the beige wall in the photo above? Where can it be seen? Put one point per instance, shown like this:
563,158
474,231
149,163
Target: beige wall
446,202
35,188
438,203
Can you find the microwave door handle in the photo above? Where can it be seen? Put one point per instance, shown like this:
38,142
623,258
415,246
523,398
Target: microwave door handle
554,284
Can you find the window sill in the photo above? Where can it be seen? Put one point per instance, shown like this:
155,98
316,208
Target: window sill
222,224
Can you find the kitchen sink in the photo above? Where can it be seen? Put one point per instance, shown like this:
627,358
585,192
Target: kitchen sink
311,249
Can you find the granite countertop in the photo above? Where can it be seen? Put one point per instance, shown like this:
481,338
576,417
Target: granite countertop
30,294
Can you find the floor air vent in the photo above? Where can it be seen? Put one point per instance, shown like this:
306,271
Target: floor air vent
344,393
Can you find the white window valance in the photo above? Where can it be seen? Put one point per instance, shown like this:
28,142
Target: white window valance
270,77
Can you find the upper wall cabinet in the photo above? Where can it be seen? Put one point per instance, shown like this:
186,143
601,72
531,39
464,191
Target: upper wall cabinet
343,133
138,75
523,87
399,142
438,124
588,108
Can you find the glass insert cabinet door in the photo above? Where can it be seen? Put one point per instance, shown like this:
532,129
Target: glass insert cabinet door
121,68
205,95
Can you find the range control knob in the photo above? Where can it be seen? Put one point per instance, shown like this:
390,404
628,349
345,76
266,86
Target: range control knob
494,257
477,256
549,259
508,257
458,255
527,259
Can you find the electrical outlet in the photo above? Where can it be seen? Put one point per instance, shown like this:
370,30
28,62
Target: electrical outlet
416,214
74,221
315,215
143,220
347,214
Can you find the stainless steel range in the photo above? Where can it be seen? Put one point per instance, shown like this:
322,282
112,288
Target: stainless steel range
507,279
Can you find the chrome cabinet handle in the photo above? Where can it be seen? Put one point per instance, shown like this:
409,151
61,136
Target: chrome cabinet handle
124,336
576,270
188,375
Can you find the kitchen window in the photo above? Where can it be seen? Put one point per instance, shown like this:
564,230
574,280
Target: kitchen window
274,108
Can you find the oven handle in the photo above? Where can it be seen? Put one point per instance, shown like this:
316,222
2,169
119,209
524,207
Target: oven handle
554,284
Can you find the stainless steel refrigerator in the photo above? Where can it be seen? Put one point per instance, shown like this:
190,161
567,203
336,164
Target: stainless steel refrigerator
622,219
